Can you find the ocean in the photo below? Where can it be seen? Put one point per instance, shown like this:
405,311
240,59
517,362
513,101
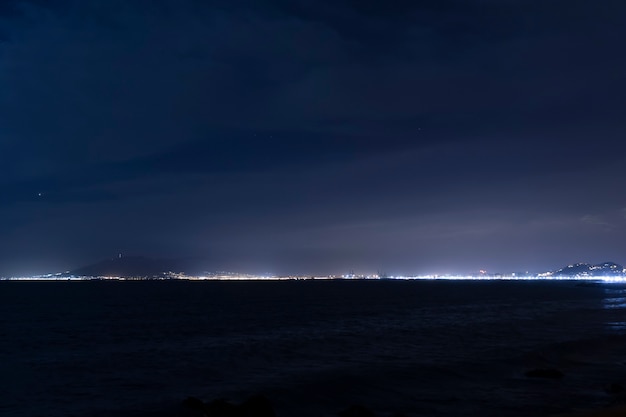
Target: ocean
419,348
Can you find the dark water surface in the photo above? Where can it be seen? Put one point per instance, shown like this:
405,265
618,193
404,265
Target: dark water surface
424,348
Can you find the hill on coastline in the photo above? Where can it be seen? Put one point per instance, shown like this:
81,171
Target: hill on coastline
584,269
129,266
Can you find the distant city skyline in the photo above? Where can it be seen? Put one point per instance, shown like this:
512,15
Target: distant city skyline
139,266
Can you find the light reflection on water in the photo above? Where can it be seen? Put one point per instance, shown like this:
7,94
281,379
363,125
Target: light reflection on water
616,326
615,300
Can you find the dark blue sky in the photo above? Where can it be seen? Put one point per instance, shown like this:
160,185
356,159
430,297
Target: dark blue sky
313,136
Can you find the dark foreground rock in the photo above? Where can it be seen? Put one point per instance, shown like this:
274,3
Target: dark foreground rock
257,406
357,411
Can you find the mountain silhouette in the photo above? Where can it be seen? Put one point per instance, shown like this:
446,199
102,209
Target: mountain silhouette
129,266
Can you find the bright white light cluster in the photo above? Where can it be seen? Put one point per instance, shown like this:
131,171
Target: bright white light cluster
514,278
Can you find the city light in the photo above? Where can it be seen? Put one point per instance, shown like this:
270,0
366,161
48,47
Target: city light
349,277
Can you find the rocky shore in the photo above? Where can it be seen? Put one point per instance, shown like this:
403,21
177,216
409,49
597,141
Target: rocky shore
261,406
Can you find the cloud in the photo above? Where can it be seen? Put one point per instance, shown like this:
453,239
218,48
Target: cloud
114,79
593,220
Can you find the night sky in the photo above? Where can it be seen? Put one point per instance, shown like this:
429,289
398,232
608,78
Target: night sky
313,136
